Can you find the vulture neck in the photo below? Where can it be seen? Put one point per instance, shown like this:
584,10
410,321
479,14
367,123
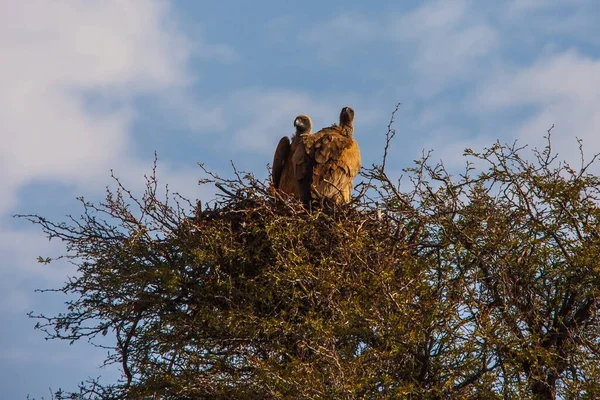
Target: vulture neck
300,133
300,136
347,129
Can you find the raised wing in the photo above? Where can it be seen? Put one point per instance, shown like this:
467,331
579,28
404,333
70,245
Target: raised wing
301,166
282,154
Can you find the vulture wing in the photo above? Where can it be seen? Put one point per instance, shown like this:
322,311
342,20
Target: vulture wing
337,162
282,155
303,163
287,182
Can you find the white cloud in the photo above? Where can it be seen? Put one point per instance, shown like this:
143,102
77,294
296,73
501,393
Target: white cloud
485,51
562,89
92,44
54,57
522,103
565,77
69,75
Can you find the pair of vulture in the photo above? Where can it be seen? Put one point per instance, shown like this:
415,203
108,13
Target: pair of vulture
318,166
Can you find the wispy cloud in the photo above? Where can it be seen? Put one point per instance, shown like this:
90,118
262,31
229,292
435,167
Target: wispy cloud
516,74
561,89
55,56
444,42
532,6
452,44
73,75
70,77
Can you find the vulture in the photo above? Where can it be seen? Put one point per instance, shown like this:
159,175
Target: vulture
283,175
327,162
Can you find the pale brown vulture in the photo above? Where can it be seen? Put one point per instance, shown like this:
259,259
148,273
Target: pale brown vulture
327,162
283,169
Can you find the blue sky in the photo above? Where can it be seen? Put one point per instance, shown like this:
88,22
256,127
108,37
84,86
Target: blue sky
92,85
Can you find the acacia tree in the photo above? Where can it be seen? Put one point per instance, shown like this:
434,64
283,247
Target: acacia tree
483,285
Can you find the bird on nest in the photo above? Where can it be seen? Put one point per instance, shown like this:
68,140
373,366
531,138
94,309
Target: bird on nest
283,172
326,162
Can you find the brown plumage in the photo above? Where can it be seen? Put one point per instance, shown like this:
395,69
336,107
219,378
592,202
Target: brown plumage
327,162
283,169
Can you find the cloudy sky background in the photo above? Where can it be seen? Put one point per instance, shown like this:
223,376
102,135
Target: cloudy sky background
92,85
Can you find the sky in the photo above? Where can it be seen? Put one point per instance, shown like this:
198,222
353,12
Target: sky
90,86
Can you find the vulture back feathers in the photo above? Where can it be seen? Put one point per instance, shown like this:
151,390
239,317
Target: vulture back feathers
327,162
283,173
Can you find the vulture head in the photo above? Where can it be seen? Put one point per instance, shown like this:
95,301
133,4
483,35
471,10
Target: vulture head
303,124
347,118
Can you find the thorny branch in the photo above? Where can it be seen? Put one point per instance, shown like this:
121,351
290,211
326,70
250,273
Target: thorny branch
480,285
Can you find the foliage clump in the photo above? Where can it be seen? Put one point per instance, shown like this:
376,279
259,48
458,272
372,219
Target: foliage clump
480,285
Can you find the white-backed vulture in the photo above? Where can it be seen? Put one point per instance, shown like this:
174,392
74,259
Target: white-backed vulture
283,170
327,162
